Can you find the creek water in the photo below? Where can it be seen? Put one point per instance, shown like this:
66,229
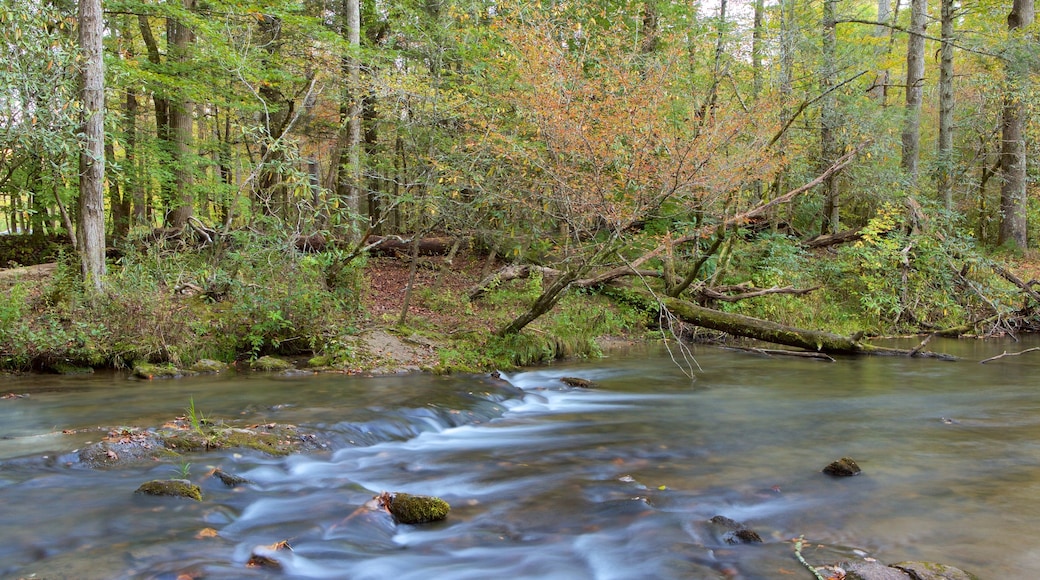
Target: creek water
546,480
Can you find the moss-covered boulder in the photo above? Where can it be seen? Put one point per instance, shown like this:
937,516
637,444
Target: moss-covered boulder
172,488
414,509
149,371
270,364
208,366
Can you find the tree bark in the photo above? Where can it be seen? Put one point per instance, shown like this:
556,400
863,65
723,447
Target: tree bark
943,181
829,119
1012,143
91,230
182,119
879,90
348,182
914,82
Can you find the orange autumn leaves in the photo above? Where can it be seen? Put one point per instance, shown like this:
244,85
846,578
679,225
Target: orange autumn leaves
607,135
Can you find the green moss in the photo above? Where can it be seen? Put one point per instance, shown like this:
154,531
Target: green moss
208,366
417,509
270,364
144,370
172,488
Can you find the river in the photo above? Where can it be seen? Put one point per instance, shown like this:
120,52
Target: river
546,480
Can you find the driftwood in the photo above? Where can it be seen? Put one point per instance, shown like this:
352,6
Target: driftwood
780,352
521,272
768,331
1006,353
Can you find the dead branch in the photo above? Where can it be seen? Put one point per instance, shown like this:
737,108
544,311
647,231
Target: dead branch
1006,353
827,240
758,210
506,274
782,352
719,293
1010,277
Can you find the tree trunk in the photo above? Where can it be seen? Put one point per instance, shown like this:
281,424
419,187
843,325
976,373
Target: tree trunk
1012,143
181,124
91,230
348,182
829,119
944,183
879,90
271,195
914,82
756,48
162,110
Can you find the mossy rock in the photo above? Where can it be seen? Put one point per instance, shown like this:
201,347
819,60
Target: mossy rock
933,571
270,364
320,361
172,488
70,369
278,443
209,366
415,509
149,371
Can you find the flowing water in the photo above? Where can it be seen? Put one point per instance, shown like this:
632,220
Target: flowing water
546,480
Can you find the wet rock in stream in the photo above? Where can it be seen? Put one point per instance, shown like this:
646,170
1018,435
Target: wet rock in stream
414,509
735,532
844,467
171,488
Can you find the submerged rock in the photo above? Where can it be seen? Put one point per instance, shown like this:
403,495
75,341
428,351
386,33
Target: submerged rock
578,382
844,467
414,509
171,487
229,479
933,571
736,532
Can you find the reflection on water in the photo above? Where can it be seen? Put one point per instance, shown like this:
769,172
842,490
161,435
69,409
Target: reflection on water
545,480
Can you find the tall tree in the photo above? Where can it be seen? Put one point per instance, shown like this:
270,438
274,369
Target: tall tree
879,90
91,231
182,119
914,86
348,183
829,119
944,183
1012,142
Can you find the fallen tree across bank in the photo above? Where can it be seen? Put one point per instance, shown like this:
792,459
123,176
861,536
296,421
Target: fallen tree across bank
772,332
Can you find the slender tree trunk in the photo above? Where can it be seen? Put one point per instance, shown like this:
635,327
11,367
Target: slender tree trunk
271,193
1012,142
914,82
879,90
181,127
944,183
757,38
829,119
348,183
91,230
162,110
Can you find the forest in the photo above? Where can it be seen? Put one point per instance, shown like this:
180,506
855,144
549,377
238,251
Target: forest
220,179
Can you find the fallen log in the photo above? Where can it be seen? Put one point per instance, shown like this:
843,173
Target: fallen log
768,331
394,245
